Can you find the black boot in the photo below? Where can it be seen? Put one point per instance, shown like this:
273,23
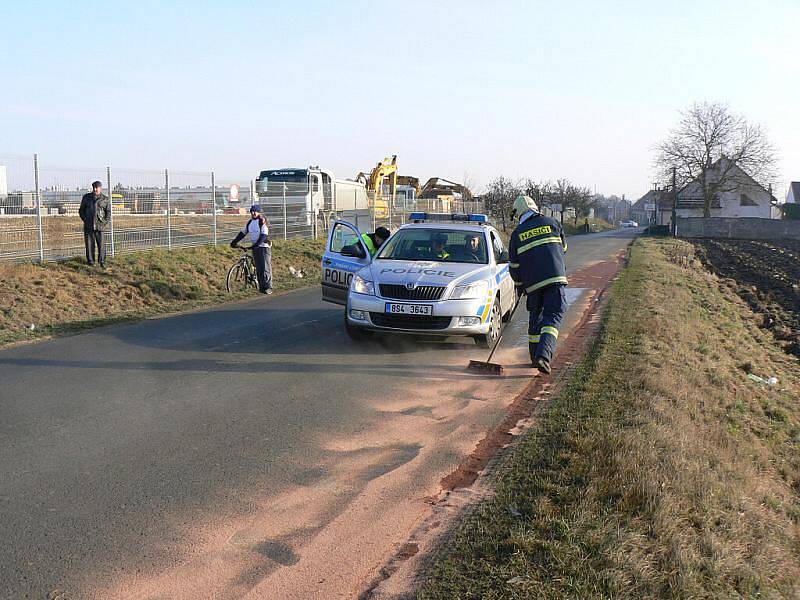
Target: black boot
542,364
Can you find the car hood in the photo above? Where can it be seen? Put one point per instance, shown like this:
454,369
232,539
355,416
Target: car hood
425,272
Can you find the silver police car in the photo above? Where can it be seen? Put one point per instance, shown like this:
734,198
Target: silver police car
438,275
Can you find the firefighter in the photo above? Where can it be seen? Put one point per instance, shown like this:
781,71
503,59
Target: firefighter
536,253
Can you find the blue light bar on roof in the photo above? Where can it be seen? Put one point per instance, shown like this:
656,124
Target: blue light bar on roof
418,217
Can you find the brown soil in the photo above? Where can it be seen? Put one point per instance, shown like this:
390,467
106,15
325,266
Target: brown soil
766,275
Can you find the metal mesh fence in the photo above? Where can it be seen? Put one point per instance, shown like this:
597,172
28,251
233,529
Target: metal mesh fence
60,193
141,212
289,208
39,208
19,230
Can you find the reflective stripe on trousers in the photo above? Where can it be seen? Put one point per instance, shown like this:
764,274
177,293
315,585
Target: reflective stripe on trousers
546,308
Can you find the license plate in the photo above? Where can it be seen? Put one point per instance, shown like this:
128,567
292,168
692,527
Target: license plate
409,309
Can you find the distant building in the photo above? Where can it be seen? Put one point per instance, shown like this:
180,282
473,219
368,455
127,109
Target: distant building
742,197
793,195
19,203
644,209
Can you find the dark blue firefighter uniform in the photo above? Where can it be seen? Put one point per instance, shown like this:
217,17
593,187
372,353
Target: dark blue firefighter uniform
536,252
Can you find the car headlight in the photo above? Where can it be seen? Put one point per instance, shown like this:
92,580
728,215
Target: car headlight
471,291
363,286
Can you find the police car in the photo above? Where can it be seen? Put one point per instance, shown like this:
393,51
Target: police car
439,275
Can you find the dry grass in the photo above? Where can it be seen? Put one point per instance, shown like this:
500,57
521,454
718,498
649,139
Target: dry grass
62,297
662,471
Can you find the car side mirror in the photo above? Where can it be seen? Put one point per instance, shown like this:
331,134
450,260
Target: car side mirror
504,257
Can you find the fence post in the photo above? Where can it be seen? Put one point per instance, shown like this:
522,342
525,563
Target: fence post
169,211
214,205
284,212
38,206
110,207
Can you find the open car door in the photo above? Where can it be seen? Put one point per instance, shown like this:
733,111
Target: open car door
344,255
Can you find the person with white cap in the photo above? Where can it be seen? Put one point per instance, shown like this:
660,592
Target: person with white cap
536,252
258,231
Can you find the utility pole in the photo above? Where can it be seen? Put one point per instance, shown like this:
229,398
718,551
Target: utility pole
169,210
40,234
110,207
674,203
214,206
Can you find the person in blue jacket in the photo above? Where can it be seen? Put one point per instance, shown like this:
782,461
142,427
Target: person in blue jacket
536,252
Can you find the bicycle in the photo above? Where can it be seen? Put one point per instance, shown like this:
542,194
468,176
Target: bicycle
242,275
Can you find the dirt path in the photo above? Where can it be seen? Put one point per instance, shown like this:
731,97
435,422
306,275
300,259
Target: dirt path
471,481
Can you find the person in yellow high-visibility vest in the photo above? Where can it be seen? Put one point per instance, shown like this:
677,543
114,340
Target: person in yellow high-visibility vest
438,250
373,241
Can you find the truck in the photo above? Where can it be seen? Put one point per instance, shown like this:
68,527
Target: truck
309,194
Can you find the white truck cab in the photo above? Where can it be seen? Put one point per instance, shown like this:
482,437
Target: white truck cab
309,193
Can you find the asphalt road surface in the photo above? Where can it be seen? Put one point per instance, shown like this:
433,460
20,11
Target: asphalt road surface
209,451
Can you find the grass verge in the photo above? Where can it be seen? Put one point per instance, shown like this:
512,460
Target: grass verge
69,296
660,471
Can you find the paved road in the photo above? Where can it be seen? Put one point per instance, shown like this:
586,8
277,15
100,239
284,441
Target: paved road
127,451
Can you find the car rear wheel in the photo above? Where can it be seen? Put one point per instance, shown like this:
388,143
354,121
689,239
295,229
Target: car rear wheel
495,324
357,334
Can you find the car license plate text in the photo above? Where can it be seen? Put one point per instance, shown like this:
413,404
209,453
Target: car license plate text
409,309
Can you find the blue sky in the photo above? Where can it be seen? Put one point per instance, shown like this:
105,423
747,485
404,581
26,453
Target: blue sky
542,89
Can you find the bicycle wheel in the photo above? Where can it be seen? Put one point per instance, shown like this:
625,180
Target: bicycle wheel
237,279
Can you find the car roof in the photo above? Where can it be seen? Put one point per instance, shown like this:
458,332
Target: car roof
460,225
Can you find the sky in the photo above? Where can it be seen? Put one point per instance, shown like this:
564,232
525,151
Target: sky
579,89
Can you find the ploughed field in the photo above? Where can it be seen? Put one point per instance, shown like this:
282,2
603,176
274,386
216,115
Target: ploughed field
764,274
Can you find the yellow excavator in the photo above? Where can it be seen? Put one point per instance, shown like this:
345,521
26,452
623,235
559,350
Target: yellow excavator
441,194
437,195
387,168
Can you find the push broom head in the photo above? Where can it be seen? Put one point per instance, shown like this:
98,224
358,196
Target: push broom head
485,367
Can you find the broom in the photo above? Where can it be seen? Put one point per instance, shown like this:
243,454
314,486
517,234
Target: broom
488,366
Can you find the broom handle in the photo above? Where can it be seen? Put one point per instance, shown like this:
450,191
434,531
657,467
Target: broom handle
500,337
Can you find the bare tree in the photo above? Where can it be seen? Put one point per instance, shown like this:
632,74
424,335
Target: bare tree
469,183
708,145
583,201
580,199
500,194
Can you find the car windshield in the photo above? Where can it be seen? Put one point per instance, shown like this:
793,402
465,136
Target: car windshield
443,245
275,183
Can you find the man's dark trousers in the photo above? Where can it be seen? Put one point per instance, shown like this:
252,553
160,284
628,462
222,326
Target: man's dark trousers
546,308
263,259
93,239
